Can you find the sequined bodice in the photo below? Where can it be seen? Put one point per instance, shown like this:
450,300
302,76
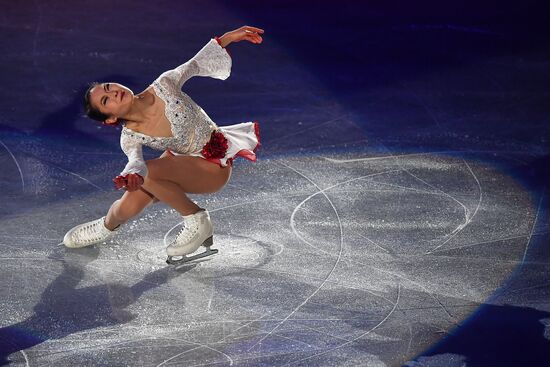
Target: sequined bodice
190,125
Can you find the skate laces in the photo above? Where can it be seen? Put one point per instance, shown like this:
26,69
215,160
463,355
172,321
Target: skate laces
188,230
91,232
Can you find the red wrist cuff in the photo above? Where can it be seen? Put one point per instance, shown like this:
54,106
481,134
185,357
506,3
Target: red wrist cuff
220,43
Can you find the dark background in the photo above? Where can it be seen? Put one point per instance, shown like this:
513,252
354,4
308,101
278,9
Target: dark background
480,69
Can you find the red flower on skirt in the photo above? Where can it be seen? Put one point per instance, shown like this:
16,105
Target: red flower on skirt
216,147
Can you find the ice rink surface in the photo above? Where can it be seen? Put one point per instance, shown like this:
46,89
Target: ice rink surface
397,214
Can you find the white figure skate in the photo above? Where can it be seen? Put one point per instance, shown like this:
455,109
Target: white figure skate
88,234
196,231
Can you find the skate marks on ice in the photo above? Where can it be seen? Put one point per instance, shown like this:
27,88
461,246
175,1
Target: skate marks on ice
12,156
408,209
321,260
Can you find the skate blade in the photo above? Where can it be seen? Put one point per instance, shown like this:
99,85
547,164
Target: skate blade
179,260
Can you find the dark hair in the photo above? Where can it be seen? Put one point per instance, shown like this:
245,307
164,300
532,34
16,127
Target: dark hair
91,111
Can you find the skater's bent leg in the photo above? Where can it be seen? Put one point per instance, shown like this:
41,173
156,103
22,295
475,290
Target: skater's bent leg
194,175
171,178
130,205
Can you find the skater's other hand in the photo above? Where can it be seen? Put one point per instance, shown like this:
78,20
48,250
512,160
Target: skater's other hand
247,33
130,182
133,182
120,182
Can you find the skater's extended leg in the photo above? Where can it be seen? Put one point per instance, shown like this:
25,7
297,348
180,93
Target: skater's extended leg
128,206
123,209
99,230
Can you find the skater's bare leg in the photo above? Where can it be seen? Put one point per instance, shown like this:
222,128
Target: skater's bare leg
171,178
194,175
172,194
130,205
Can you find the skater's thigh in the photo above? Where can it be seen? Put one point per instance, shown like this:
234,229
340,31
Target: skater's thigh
193,174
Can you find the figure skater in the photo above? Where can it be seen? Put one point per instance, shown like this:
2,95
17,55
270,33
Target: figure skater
197,156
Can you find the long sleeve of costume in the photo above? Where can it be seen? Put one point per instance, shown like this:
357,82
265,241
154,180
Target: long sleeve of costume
134,152
212,60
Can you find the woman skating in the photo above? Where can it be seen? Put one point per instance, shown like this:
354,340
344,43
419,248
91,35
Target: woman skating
197,154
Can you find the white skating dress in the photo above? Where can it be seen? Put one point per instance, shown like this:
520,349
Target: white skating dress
193,132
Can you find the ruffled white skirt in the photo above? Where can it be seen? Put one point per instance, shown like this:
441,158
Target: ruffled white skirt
242,139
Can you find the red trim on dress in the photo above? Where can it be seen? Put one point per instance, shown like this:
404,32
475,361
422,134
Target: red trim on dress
247,154
220,43
257,132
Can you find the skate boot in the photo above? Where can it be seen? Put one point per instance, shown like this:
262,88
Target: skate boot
196,231
88,234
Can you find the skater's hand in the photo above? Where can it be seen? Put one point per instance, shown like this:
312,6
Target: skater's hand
130,182
247,33
120,182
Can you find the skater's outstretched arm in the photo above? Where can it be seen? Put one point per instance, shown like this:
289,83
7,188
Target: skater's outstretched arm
212,60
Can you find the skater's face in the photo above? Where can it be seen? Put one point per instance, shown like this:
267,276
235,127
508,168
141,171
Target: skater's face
112,99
